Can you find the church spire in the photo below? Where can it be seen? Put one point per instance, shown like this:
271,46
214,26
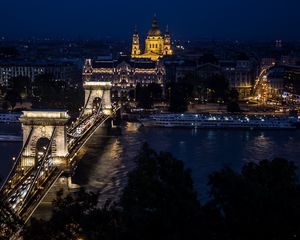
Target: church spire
135,30
167,30
167,43
154,21
135,44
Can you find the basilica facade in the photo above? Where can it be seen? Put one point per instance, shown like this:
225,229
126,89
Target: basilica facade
126,73
157,45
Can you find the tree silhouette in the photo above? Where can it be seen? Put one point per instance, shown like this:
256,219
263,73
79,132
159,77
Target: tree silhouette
9,223
261,202
76,217
13,97
179,94
159,201
233,101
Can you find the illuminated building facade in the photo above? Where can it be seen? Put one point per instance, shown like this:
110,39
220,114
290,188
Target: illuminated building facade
240,74
157,45
60,71
125,74
282,78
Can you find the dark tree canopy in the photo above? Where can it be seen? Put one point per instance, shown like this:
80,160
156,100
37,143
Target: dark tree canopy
159,201
48,92
13,97
179,94
76,218
233,101
147,95
8,52
143,97
21,84
218,87
9,223
262,202
19,90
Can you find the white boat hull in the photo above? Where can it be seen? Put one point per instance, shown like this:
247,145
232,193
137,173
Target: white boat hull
217,121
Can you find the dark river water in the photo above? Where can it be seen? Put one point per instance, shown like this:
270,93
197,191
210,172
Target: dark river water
109,155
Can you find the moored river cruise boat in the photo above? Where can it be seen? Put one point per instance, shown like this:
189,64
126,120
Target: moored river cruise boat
9,117
219,121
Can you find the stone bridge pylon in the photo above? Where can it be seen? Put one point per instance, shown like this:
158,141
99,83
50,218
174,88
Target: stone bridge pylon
97,93
48,126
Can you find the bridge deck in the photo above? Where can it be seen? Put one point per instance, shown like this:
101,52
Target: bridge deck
27,187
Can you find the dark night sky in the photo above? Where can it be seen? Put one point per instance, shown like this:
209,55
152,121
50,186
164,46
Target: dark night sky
187,19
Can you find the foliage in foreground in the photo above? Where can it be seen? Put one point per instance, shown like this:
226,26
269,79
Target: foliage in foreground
9,224
159,202
262,202
77,218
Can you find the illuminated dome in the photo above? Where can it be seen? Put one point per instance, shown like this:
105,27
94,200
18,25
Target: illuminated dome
154,31
157,44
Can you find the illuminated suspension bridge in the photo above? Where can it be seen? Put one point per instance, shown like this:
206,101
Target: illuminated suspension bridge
49,149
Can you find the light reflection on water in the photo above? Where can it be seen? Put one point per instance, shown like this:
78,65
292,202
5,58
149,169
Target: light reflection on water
109,156
107,160
203,151
8,150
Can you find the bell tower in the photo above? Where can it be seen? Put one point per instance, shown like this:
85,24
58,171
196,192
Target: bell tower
135,44
167,43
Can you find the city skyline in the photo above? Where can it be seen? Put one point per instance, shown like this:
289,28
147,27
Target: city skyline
149,119
232,19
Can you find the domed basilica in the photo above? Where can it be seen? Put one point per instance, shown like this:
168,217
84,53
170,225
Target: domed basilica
157,45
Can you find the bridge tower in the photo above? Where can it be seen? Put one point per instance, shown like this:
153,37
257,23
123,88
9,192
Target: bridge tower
47,124
97,90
